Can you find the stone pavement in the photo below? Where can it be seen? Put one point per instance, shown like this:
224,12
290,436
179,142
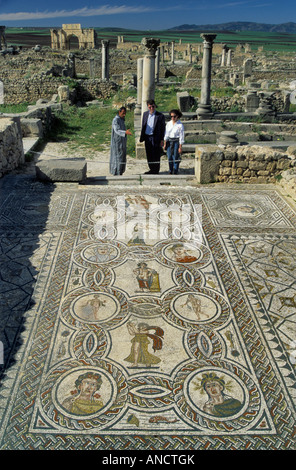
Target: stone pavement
98,162
147,318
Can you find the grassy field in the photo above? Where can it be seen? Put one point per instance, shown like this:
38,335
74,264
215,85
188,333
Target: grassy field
88,129
270,41
281,42
14,108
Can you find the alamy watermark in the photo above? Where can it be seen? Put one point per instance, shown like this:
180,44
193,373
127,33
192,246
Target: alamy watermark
147,222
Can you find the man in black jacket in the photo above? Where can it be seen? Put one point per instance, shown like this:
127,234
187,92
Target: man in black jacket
152,133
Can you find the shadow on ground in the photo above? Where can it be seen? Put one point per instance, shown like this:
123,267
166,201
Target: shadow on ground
24,208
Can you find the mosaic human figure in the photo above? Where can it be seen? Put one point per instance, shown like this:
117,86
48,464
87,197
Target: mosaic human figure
138,200
139,344
181,254
137,237
148,279
101,254
87,401
194,304
218,404
90,309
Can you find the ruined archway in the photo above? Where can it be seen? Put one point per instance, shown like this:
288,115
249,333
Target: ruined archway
64,38
73,42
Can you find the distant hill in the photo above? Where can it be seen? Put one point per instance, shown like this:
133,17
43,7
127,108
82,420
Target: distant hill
239,26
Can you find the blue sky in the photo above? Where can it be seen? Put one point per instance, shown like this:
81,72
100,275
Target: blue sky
143,14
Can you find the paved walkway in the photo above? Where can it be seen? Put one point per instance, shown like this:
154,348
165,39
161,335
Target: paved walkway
147,318
98,162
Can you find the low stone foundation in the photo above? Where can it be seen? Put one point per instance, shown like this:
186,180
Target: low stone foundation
241,164
11,145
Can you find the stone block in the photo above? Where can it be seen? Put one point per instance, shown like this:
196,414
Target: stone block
283,164
31,127
271,166
226,163
64,93
263,173
291,150
242,164
254,165
226,171
230,154
207,163
62,170
184,101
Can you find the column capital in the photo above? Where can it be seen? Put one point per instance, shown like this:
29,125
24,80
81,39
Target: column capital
151,44
208,38
105,42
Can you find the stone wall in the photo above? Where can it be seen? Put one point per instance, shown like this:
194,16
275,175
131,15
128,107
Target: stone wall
31,89
241,164
11,145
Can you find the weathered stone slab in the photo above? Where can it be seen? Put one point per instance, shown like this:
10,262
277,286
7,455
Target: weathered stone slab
31,127
62,170
184,101
207,163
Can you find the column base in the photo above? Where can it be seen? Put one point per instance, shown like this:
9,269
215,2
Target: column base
204,109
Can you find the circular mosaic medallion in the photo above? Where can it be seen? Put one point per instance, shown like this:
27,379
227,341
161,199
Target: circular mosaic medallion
82,396
183,253
221,398
106,307
196,306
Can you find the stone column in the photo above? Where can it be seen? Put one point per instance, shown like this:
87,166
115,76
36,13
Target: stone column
223,58
148,87
205,103
229,58
162,54
172,52
105,60
157,63
247,69
189,49
139,86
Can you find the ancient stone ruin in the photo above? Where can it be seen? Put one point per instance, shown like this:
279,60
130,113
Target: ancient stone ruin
256,113
60,38
2,37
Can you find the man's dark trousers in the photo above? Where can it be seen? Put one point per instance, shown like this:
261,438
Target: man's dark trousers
153,153
153,142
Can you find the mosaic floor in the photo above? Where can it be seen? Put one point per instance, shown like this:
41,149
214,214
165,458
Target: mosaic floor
156,320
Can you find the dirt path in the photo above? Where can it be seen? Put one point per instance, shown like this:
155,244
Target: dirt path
98,162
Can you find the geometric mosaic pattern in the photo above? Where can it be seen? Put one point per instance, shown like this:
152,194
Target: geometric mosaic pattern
163,320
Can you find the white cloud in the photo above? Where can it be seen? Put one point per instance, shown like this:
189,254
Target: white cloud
81,12
116,10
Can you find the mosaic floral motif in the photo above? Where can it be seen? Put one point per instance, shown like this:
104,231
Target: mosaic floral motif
160,330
